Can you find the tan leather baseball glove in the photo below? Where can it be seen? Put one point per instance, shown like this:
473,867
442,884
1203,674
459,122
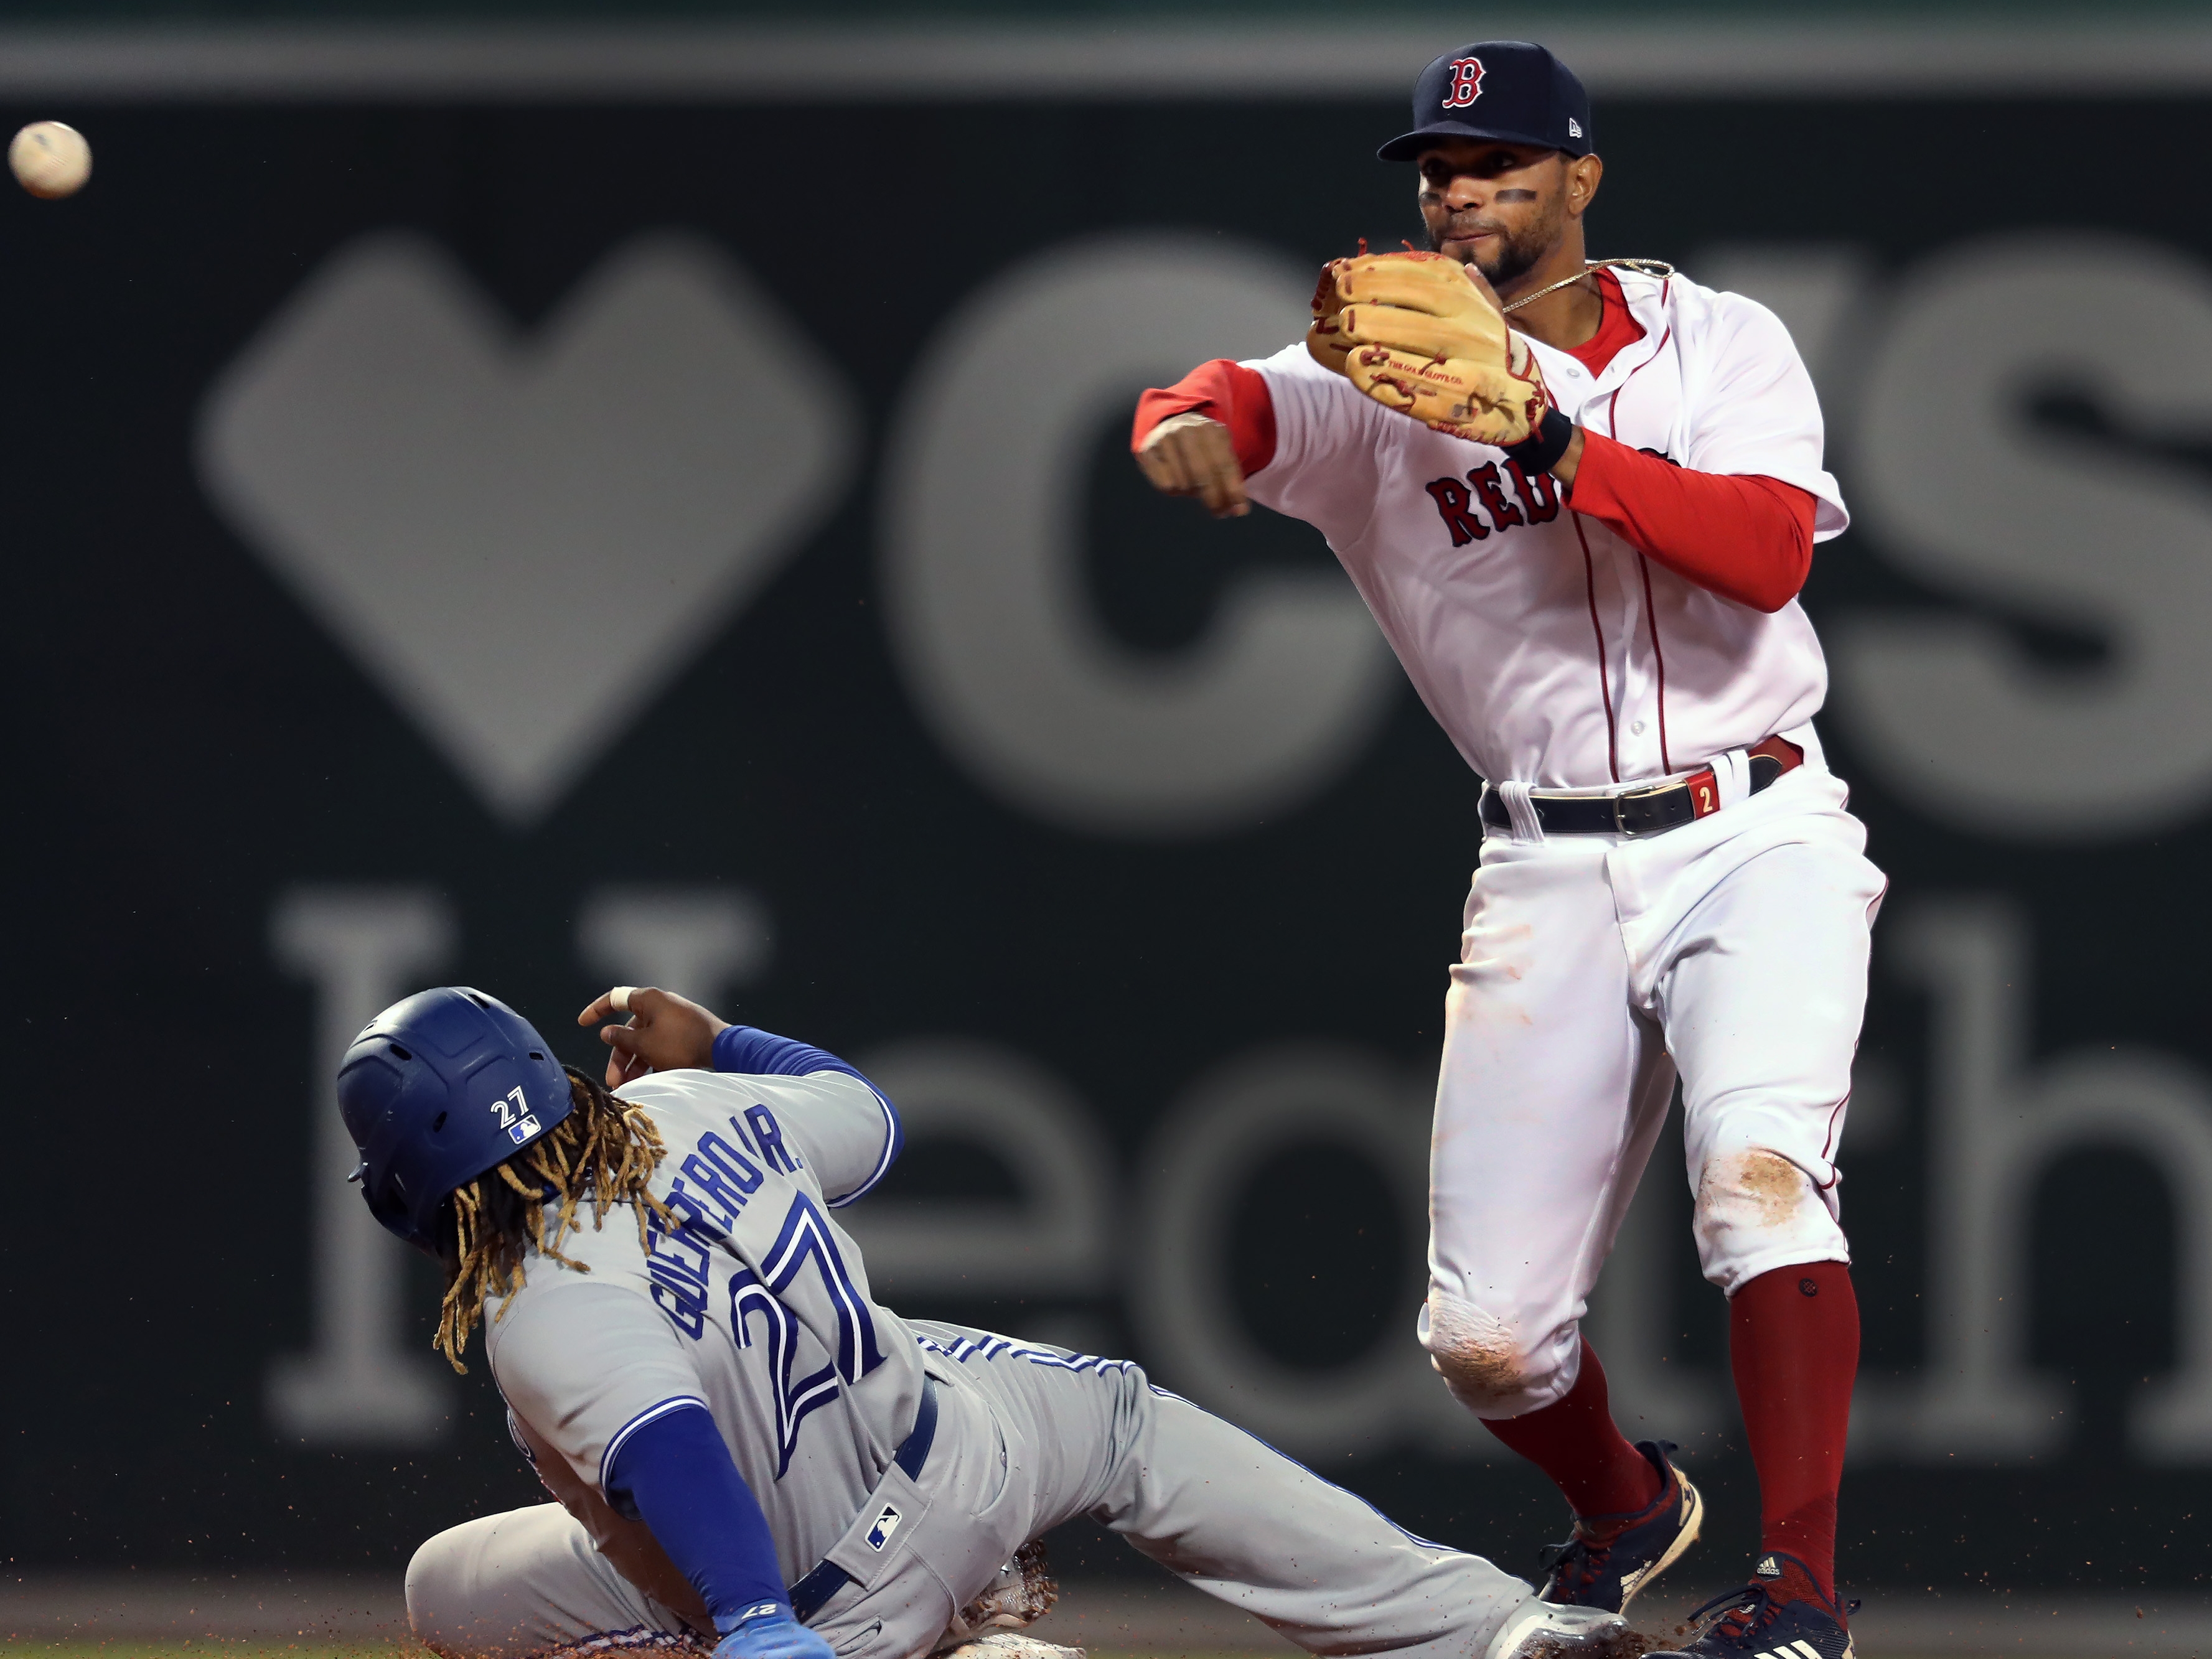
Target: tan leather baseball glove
1414,332
1325,341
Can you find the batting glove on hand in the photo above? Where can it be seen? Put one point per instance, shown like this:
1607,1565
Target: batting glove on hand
769,1632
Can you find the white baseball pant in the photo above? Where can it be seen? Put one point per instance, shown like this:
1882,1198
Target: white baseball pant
1592,969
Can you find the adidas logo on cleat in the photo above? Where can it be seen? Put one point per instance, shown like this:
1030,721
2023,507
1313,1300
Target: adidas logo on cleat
1782,1613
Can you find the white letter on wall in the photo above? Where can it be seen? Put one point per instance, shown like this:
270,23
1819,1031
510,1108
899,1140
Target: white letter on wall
361,1382
982,576
1968,494
1050,1240
695,941
1998,1123
1198,1160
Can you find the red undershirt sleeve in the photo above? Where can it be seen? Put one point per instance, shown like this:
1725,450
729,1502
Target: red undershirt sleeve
1743,537
1221,391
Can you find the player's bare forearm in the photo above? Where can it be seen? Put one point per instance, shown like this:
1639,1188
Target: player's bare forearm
1564,468
666,1032
1193,454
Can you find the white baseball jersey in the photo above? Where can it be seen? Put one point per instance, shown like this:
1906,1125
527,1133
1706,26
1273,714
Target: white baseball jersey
756,1306
1551,651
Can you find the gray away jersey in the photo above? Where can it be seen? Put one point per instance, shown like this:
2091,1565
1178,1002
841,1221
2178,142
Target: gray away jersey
755,1306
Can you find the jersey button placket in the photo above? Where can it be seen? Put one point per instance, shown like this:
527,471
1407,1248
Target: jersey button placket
1631,667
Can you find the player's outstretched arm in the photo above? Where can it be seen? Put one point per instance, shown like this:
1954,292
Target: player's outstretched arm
666,1032
1192,454
1205,435
676,1474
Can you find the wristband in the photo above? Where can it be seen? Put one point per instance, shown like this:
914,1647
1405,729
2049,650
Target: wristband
1540,449
727,1622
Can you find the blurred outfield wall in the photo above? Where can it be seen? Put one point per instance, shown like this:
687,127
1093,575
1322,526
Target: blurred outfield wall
542,506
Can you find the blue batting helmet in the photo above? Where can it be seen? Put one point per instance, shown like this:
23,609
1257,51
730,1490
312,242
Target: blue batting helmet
437,1089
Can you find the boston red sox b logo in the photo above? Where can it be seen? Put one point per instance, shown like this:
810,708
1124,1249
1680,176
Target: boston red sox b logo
1466,82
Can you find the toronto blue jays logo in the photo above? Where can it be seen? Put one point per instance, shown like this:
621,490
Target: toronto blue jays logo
1466,82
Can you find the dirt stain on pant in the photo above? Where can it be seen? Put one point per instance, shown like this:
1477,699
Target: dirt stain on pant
1754,1187
1475,1354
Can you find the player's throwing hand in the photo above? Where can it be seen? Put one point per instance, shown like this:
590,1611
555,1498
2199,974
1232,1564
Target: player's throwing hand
1192,455
666,1032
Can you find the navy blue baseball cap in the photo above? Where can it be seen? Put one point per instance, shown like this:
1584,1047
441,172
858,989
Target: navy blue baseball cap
1507,90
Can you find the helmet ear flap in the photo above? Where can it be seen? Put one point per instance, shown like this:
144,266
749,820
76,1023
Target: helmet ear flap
391,1216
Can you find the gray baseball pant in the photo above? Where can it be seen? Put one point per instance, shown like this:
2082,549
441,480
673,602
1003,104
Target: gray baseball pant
1027,1438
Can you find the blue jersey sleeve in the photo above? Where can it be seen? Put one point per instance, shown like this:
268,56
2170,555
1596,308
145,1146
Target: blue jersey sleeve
676,1474
763,1053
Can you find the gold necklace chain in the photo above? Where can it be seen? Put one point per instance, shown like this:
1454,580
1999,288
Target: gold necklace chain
1645,267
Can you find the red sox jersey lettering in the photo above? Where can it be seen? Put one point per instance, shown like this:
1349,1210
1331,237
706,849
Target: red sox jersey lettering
1550,649
1537,502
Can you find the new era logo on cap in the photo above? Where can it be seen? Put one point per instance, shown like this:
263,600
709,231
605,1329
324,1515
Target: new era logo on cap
1466,84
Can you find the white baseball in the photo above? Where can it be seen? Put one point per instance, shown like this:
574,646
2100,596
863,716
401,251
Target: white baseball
50,160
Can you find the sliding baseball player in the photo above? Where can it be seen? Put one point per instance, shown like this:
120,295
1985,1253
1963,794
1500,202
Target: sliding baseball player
749,1453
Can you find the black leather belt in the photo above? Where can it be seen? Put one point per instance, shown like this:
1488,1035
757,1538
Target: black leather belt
810,1594
1644,811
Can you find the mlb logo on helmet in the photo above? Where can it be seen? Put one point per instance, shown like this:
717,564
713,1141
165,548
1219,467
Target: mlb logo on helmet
521,1132
1466,82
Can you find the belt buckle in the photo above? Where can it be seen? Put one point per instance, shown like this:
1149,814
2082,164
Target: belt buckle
1628,831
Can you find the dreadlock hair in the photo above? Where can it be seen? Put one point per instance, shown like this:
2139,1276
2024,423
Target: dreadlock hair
606,1151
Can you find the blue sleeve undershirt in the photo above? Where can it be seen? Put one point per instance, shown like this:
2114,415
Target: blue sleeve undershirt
676,1474
749,1049
763,1053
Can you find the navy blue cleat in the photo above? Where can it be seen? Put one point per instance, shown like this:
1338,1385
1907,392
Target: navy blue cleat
1611,1557
1781,1614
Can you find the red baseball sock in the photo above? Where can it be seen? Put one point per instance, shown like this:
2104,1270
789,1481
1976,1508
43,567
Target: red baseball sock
1793,1346
1574,1440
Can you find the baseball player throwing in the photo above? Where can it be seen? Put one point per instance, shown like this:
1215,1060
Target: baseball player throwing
1584,535
752,1454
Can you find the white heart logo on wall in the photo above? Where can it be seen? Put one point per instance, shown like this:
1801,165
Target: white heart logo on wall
522,540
